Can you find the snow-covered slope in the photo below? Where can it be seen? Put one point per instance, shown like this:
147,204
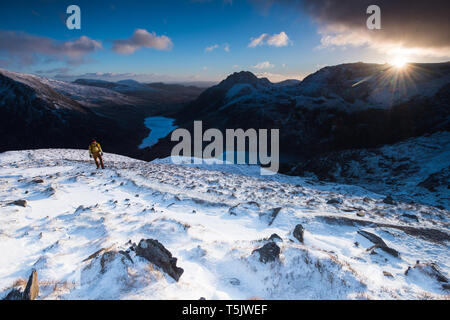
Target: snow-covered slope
85,95
211,220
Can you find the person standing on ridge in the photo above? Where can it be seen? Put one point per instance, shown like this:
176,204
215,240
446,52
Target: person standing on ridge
95,151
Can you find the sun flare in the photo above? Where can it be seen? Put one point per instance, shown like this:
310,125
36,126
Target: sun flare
400,62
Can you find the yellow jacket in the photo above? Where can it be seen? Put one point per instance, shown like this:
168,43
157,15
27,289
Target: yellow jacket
95,149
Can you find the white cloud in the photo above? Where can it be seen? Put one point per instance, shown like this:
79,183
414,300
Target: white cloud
277,40
226,47
211,48
142,38
263,65
257,41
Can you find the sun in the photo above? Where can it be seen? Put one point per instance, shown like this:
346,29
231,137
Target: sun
400,62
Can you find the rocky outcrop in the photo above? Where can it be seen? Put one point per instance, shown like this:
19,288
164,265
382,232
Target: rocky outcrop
31,291
157,254
269,252
379,243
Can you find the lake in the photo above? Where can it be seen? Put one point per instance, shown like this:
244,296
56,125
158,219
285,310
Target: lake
160,127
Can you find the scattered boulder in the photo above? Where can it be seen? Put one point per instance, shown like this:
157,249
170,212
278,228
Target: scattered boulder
38,181
334,201
379,243
269,252
157,254
387,274
360,214
19,203
389,200
31,289
299,232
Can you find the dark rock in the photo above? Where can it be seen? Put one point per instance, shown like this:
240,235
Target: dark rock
334,201
202,298
19,203
269,252
14,294
299,232
274,237
446,286
360,214
37,181
379,243
235,282
389,200
157,254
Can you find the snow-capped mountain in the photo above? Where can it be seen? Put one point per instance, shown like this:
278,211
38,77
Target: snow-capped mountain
233,233
61,93
157,93
340,107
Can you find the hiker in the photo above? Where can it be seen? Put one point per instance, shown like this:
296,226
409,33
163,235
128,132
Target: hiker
95,151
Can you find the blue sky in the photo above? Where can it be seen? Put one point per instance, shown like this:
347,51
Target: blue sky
187,27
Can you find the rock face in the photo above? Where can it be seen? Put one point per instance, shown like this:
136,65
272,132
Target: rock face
155,252
269,252
31,290
379,243
299,232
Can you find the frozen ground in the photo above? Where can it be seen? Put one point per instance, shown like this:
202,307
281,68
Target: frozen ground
211,219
